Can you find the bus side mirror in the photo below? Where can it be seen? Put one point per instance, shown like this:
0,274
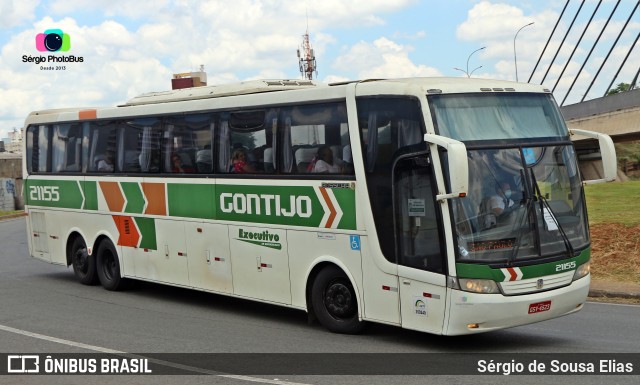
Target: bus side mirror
458,165
607,153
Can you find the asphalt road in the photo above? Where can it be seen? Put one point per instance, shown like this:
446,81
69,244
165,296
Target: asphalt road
44,310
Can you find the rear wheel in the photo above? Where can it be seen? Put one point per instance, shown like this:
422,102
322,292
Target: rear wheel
334,301
108,267
84,265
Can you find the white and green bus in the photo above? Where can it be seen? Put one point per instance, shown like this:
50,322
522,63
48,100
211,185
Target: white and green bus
362,201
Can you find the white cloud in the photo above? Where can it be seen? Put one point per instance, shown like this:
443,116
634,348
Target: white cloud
276,15
488,20
112,70
381,59
110,8
16,12
235,40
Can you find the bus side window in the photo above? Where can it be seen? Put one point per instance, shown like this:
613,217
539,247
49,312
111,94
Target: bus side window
139,146
102,144
246,142
416,219
389,128
315,136
38,148
186,139
66,148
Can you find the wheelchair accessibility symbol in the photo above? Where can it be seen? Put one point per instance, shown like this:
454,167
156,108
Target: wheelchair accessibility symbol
355,242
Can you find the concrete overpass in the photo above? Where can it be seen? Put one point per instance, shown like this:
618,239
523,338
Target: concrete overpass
616,115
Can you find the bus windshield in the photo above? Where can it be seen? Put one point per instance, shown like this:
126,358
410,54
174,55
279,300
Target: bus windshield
474,117
523,203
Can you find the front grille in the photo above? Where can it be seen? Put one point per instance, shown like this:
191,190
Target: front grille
530,285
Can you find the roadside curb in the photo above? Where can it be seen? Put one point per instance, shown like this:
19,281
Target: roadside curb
603,293
612,289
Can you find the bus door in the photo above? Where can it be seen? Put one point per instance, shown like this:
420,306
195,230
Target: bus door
40,236
419,245
209,258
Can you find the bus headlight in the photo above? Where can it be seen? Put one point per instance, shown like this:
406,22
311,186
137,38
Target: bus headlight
582,271
483,286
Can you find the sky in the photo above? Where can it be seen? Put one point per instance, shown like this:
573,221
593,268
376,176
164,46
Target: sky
132,47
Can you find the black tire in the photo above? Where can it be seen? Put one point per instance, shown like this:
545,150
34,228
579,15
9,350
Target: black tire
334,301
84,265
108,267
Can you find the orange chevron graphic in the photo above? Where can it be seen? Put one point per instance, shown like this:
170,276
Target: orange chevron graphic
155,194
129,235
332,209
113,195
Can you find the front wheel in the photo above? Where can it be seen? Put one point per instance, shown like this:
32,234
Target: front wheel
334,301
108,267
84,265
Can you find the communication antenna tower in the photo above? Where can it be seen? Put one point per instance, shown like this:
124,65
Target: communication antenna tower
307,58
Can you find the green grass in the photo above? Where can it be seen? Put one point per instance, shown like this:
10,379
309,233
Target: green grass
616,202
5,213
628,150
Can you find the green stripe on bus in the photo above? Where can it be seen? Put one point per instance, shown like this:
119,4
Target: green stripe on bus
54,193
147,227
135,199
346,198
281,205
469,270
191,200
90,189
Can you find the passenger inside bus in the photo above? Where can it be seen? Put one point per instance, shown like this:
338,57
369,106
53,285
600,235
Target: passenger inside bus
325,162
105,164
239,164
178,167
204,159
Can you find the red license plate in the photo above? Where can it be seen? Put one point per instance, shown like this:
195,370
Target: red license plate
539,307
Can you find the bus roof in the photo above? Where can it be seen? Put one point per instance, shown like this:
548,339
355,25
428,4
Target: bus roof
434,85
447,85
242,88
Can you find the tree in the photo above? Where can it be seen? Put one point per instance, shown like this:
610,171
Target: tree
622,87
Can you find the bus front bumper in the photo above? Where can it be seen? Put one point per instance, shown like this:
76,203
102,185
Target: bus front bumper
477,313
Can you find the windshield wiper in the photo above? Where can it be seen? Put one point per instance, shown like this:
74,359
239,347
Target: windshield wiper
528,200
544,204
